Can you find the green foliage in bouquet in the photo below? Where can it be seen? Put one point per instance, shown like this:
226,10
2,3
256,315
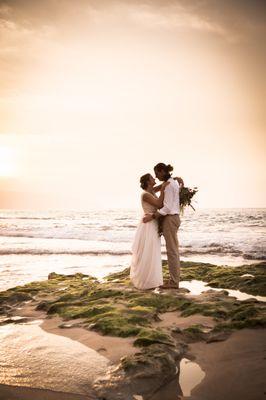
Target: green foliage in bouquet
185,198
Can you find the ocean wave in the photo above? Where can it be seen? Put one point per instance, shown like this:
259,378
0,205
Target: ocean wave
40,252
81,237
107,252
30,218
206,250
223,251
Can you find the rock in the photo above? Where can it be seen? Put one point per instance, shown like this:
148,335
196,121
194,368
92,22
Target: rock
176,329
14,320
246,278
5,309
42,306
67,326
218,336
52,275
142,373
19,297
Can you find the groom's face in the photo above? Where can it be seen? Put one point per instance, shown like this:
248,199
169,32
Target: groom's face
159,175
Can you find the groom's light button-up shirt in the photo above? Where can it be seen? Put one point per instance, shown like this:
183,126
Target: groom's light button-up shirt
171,198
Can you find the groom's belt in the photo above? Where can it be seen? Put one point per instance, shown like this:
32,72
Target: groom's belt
171,215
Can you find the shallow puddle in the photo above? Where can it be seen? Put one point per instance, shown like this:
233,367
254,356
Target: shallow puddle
197,287
33,358
190,376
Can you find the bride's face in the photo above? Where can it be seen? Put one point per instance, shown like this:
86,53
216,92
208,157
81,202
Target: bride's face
152,181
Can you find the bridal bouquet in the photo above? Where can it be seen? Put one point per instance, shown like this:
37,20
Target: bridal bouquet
185,197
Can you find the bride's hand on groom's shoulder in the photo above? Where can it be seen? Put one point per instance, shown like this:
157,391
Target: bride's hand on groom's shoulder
164,185
179,180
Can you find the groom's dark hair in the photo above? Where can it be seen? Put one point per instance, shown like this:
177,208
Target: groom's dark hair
165,168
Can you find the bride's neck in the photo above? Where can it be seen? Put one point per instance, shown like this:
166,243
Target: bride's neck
150,189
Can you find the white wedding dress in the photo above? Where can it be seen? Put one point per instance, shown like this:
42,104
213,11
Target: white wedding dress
146,264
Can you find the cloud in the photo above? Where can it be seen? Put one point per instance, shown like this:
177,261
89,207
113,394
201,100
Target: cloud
234,20
174,17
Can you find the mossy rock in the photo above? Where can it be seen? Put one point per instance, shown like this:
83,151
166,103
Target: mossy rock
14,297
114,325
253,322
227,277
120,276
84,311
194,332
244,312
160,302
147,337
113,308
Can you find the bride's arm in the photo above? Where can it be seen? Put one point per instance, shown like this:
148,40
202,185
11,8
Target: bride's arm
157,188
157,202
177,178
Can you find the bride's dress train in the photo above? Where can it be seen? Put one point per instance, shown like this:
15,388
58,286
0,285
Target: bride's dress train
146,263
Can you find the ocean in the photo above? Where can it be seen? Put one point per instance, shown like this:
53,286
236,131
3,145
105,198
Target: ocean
33,244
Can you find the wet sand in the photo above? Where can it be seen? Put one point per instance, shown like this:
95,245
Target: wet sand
110,347
235,368
22,393
31,357
174,318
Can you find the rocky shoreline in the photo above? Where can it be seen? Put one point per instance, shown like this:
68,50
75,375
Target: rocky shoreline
155,328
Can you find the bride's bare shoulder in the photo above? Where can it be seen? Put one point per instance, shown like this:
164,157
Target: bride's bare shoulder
146,196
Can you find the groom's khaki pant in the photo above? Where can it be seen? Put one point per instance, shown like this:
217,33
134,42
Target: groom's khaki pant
171,224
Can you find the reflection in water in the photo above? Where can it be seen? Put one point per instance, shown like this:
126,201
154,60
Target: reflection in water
190,375
31,357
197,287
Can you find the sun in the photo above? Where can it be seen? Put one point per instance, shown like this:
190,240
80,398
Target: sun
8,164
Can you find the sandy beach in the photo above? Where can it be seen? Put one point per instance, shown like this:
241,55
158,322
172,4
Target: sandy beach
234,368
149,345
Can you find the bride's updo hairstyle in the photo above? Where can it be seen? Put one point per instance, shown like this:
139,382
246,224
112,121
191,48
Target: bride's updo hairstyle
161,167
144,181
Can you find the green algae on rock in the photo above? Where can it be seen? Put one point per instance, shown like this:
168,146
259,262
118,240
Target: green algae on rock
246,278
147,337
115,308
143,373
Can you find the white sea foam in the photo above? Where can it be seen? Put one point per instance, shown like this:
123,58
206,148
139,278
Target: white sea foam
31,243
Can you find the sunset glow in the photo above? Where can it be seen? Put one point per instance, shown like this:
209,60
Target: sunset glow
95,92
8,164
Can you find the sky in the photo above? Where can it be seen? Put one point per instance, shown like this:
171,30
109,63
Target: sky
94,93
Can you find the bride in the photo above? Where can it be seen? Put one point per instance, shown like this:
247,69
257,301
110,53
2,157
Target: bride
146,264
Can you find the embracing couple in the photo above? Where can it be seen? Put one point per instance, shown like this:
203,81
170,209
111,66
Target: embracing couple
146,265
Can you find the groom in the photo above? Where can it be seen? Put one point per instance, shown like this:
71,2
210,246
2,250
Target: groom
171,221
